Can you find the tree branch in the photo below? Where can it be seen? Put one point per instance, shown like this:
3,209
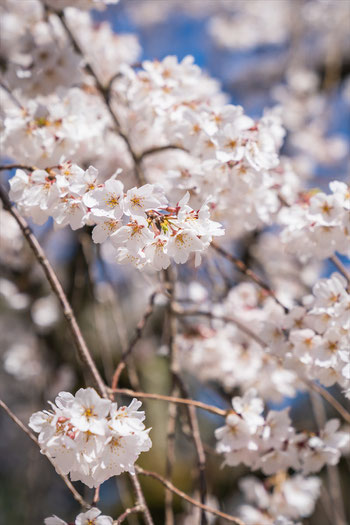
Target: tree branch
105,95
334,489
171,399
68,483
175,370
141,502
16,166
330,399
242,267
337,262
178,310
160,149
181,494
138,334
131,510
57,289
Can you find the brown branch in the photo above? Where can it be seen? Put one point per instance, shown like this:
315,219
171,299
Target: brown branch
177,379
68,483
160,149
201,459
141,499
57,289
119,74
329,398
11,95
119,322
105,93
16,166
337,262
96,497
171,399
137,336
242,267
178,310
131,510
334,496
171,324
181,494
170,457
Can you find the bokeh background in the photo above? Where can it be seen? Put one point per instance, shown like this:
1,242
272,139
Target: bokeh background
294,53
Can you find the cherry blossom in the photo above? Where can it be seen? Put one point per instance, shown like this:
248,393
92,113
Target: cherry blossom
139,221
272,444
317,225
91,517
90,438
287,499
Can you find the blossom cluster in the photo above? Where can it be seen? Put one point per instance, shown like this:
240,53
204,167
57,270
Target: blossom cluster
91,438
309,341
55,112
91,517
279,500
319,333
226,354
154,231
271,444
319,224
116,49
226,153
42,133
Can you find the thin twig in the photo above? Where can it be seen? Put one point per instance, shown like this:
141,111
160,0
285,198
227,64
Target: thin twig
334,490
56,287
242,267
131,510
137,336
105,93
178,310
11,95
119,322
201,459
126,498
171,399
174,366
170,457
96,498
68,483
192,416
16,167
119,74
140,499
329,398
181,494
101,340
337,262
160,149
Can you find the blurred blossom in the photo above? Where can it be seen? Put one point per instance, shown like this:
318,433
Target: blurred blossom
23,361
13,298
45,312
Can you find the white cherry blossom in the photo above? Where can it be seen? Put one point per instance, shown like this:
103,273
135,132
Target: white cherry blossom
89,438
